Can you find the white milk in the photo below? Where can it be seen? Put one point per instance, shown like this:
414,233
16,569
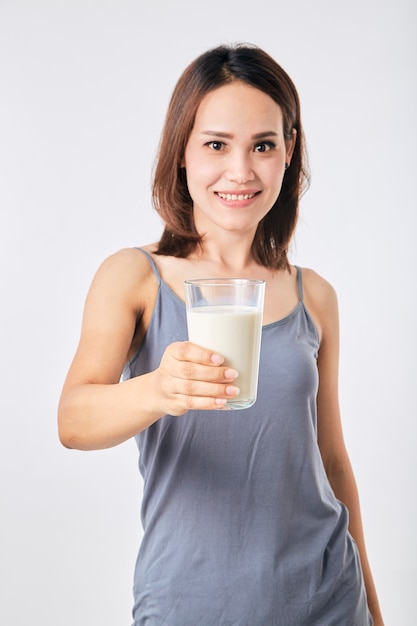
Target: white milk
235,333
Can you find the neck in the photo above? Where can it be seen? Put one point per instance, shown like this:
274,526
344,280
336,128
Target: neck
226,258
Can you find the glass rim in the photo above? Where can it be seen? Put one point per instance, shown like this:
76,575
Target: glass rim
223,282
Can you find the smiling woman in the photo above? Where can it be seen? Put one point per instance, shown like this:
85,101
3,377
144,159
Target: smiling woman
234,169
244,68
250,517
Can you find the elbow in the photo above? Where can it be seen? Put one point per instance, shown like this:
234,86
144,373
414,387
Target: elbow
72,439
65,439
69,434
340,475
66,435
74,432
337,466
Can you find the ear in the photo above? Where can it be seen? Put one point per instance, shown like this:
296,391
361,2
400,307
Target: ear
290,145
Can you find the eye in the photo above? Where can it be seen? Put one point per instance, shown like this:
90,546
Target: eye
215,145
264,146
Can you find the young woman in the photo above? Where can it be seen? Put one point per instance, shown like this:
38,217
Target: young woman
251,518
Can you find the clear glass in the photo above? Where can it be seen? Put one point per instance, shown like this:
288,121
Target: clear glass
225,315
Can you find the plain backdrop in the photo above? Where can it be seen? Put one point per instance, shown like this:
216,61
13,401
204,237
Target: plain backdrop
84,86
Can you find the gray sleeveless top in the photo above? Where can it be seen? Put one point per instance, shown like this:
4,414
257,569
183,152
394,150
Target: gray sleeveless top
241,527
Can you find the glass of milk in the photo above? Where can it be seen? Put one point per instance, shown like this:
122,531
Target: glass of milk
225,315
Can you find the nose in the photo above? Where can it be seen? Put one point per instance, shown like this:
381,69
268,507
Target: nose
239,168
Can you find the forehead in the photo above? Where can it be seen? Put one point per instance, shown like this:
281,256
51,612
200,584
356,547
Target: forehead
236,103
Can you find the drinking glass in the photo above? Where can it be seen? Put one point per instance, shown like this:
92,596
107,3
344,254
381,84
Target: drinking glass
225,315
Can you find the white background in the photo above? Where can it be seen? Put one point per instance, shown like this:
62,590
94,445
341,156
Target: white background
84,87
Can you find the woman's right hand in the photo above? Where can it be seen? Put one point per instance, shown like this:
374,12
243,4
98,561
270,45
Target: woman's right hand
192,377
96,410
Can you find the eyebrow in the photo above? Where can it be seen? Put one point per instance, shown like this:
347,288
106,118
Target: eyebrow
222,135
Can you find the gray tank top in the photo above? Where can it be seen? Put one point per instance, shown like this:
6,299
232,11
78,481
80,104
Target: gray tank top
241,526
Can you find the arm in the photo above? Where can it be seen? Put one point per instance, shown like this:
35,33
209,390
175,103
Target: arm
321,300
96,410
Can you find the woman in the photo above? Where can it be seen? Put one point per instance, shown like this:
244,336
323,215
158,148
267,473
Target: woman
242,510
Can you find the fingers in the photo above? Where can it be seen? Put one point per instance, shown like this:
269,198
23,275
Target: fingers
193,377
193,362
187,351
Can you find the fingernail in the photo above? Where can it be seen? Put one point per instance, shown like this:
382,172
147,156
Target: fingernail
232,391
231,374
220,401
217,359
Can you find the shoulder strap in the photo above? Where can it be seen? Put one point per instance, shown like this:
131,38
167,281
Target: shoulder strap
152,263
300,282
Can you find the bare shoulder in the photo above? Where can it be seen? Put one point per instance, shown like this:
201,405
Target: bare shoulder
126,274
317,287
321,300
117,309
122,292
129,261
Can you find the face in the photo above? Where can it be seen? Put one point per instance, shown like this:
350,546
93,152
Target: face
235,158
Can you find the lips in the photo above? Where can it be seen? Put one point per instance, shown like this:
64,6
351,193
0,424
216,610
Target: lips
230,197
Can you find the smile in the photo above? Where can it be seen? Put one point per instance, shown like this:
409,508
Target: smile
236,196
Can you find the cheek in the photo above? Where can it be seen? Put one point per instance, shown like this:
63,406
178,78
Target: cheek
273,179
200,171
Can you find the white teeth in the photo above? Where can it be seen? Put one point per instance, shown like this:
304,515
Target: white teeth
235,196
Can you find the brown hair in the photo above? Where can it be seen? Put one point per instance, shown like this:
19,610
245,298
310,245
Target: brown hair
171,199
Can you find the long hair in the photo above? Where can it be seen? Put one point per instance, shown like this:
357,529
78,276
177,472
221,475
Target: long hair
171,199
